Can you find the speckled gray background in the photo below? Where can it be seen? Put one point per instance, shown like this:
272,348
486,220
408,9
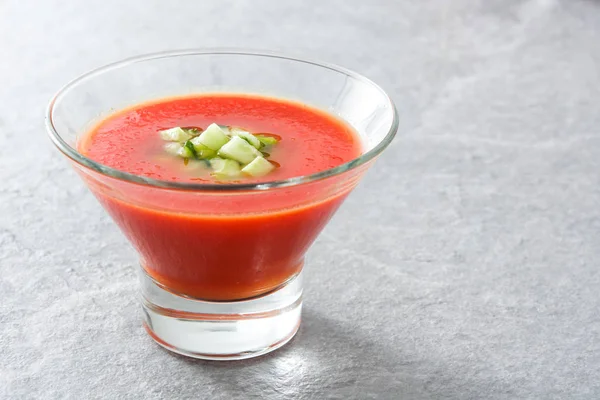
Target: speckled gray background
464,267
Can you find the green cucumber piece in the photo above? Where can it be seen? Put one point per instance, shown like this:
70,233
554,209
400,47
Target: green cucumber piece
173,148
239,150
193,131
203,152
185,152
258,167
176,134
188,145
226,130
176,149
213,138
266,140
225,168
247,136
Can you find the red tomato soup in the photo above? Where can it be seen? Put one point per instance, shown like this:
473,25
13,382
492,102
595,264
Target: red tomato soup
221,250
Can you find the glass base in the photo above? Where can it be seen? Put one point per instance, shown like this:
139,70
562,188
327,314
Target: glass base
221,330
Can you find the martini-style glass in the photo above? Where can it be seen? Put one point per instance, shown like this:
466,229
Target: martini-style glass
214,309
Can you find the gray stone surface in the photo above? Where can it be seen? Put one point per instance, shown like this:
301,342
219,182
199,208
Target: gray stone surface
464,267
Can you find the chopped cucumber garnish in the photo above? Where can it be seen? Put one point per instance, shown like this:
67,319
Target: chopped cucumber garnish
258,167
239,150
267,140
176,134
225,168
213,138
229,151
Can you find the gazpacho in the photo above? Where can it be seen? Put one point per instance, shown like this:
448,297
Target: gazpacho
215,250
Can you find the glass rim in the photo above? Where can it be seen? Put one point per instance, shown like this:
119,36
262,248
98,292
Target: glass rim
84,161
